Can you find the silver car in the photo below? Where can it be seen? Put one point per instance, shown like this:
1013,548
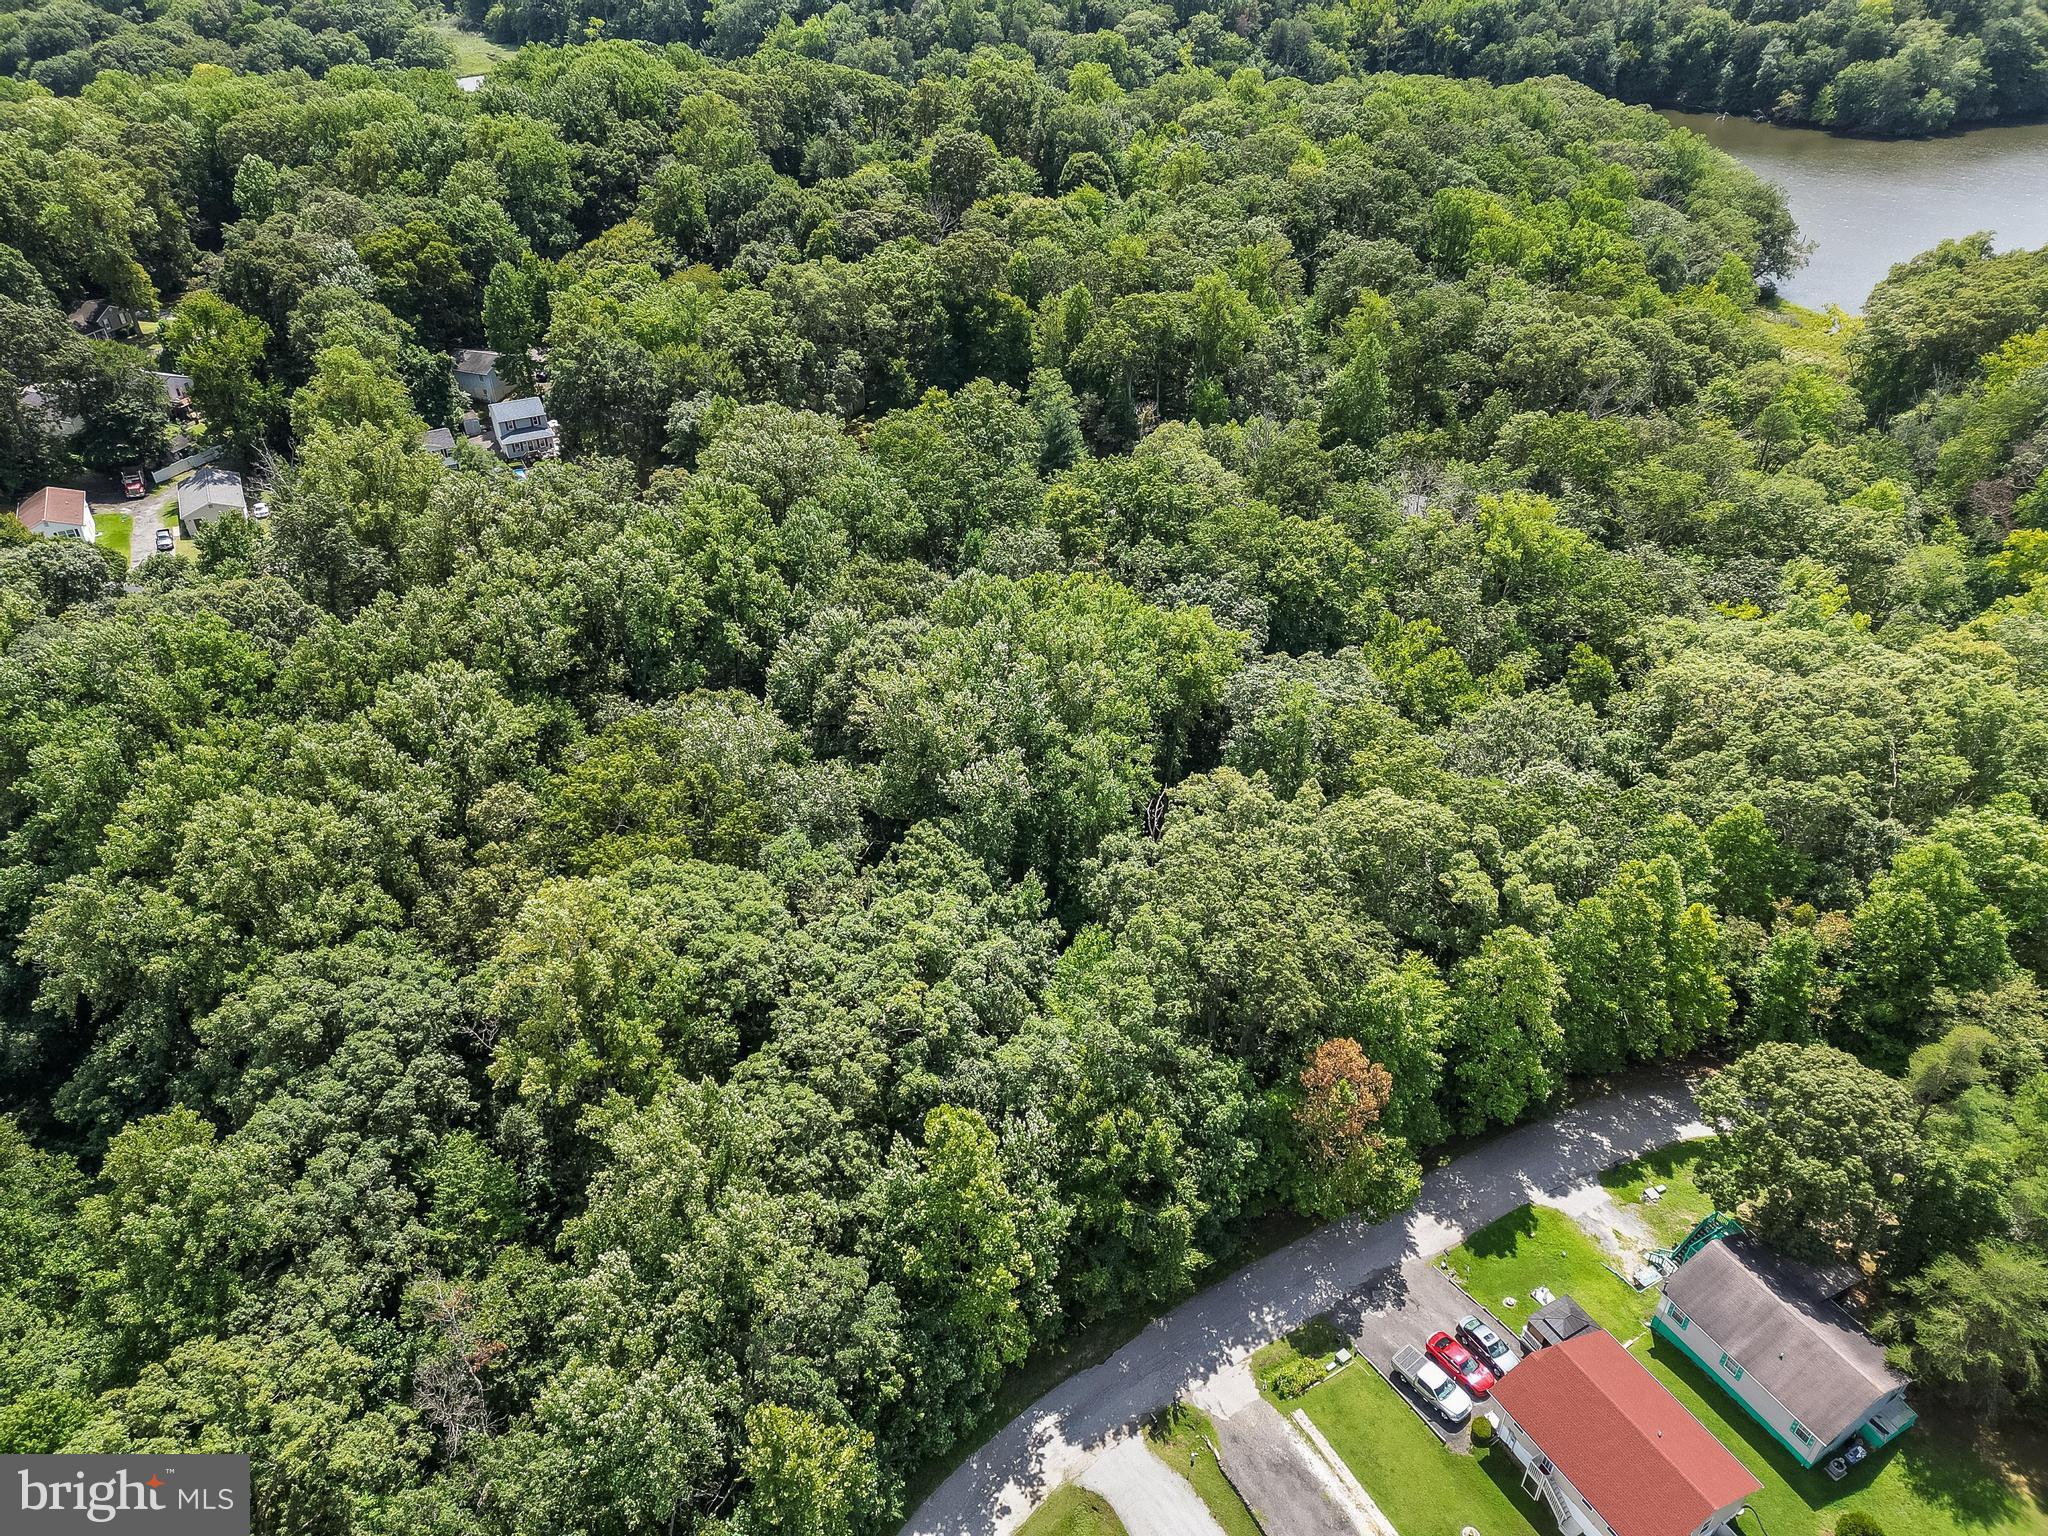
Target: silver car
1494,1352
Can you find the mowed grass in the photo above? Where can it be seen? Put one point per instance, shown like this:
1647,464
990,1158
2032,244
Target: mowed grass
1421,1487
111,530
1073,1511
1683,1202
1944,1477
1184,1439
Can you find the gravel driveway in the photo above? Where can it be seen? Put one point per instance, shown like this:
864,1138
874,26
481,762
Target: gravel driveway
1265,1462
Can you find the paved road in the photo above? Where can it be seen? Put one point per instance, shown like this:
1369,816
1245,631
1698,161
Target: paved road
1148,1496
991,1492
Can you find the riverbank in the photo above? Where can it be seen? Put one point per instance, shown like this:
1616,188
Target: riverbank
1867,204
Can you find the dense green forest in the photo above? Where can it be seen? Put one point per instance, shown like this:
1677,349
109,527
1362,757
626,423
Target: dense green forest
1116,651
1858,66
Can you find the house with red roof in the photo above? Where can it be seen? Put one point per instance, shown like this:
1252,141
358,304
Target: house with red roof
1609,1450
58,512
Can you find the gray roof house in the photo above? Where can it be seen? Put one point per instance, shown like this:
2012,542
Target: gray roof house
1770,1334
521,428
208,497
177,389
102,319
476,375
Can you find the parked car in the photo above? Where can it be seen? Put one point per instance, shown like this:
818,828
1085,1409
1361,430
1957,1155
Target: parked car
1428,1381
1460,1362
164,542
131,483
260,511
1494,1352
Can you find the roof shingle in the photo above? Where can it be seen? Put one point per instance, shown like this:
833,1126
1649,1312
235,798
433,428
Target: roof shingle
1649,1467
1779,1327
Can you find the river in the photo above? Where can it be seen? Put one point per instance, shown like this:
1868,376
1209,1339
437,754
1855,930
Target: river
1867,203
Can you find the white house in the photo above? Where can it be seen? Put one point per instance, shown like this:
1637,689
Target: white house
208,497
1772,1337
521,428
1608,1450
177,391
57,512
476,375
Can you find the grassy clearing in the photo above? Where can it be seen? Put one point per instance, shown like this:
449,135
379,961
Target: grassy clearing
1184,1439
111,530
1073,1511
1420,1486
474,53
1939,1479
1683,1202
1818,337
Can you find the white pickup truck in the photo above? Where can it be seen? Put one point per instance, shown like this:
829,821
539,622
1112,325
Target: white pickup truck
1433,1384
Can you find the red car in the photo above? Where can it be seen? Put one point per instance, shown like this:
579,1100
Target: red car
131,483
1459,1362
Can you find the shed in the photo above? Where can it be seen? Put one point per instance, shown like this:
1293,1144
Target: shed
1555,1322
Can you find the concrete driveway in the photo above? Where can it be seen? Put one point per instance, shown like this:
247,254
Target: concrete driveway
994,1489
1148,1496
1405,1304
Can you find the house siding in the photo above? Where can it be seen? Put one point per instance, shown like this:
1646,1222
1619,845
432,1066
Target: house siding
1706,1352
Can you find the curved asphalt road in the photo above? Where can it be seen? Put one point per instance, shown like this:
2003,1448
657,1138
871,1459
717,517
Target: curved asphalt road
992,1492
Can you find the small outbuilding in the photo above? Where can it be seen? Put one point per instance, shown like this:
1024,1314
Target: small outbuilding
1607,1448
58,512
1772,1335
1554,1322
207,497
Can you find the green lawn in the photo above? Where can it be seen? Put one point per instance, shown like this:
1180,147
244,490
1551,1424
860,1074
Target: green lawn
1073,1511
1942,1478
111,531
1183,1438
474,53
1683,1202
1420,1486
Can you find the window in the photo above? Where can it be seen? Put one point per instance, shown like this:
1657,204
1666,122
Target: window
1677,1316
1734,1371
1800,1431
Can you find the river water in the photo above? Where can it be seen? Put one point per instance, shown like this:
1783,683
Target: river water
1867,203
